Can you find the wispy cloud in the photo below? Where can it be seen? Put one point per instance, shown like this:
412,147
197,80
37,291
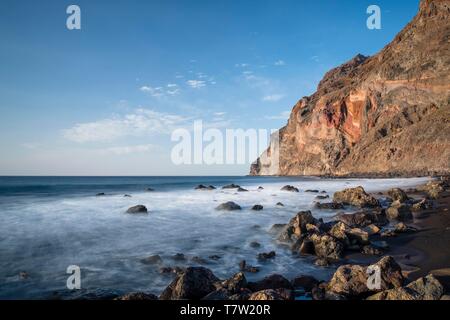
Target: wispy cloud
196,84
273,97
124,150
282,116
154,92
280,63
315,58
139,123
241,65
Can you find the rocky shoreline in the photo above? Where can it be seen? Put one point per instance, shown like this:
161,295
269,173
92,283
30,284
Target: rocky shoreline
372,239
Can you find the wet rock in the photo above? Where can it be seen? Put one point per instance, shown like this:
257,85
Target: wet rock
279,204
179,257
266,255
260,188
312,191
403,228
257,207
297,226
290,189
434,188
193,284
235,284
322,197
171,270
304,247
255,244
215,257
231,186
363,219
137,209
153,259
23,275
243,266
274,281
322,262
388,233
149,189
426,288
398,211
371,250
329,206
356,197
242,189
372,229
305,282
126,196
270,294
398,194
351,280
199,260
137,296
424,204
326,246
203,187
218,294
229,206
101,194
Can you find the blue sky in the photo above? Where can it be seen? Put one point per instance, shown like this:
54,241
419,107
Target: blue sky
103,100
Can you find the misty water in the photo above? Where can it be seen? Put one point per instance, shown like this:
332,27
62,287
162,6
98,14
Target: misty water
49,223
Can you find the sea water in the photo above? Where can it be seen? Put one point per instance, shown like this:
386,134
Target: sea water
50,223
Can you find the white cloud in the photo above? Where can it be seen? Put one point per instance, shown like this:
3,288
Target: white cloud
123,150
282,116
219,114
315,58
280,63
241,65
196,84
139,123
273,97
154,92
172,85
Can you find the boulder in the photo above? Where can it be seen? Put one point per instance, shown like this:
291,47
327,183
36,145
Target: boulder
274,281
356,197
322,262
372,229
137,296
434,188
424,204
257,207
312,191
305,282
279,204
149,189
260,188
271,294
266,255
426,288
403,228
297,226
228,206
371,250
363,219
101,194
326,246
137,209
235,284
179,257
243,266
231,186
398,194
290,189
126,196
240,189
255,244
202,187
398,211
352,280
322,197
329,205
349,235
194,283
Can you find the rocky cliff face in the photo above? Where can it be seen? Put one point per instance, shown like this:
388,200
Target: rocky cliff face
384,115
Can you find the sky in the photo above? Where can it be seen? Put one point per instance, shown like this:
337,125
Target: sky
105,99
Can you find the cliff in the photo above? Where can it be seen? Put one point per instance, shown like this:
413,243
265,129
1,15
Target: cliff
385,115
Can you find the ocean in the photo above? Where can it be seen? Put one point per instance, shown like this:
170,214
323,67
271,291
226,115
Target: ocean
50,223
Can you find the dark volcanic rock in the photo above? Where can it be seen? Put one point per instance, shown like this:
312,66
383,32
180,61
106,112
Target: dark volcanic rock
305,282
137,209
290,189
329,205
356,197
266,255
240,189
231,186
280,204
194,284
229,206
274,281
257,207
203,187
